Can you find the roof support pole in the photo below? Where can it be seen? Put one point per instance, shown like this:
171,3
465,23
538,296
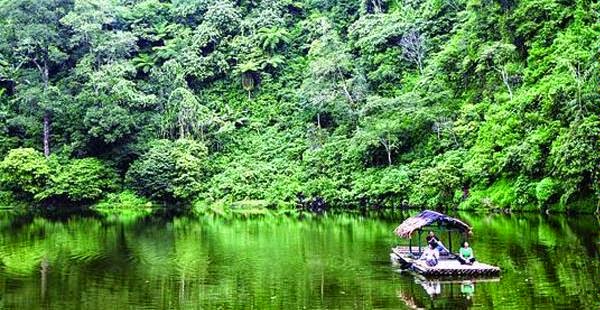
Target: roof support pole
450,241
420,231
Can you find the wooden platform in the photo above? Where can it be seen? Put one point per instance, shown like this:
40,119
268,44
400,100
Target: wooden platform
448,266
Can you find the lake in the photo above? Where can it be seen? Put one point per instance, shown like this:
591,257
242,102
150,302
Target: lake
332,262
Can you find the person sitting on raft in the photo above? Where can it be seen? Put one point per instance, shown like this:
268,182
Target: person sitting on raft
465,255
433,240
430,255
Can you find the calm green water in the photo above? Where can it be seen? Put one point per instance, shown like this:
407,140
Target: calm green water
337,262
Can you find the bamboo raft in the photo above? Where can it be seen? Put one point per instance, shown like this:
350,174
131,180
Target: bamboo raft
447,266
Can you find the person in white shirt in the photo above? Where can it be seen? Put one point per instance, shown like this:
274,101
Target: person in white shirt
430,255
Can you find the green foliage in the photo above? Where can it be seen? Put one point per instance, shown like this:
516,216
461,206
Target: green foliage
29,175
428,103
24,172
79,180
545,189
185,117
144,62
436,186
575,156
271,38
390,185
123,203
169,171
500,195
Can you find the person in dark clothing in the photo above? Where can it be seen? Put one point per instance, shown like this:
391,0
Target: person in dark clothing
432,239
435,242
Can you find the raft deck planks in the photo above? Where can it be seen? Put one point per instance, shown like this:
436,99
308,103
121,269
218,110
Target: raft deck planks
447,266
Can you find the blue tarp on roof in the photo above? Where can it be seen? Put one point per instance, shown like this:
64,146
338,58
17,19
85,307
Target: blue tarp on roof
427,218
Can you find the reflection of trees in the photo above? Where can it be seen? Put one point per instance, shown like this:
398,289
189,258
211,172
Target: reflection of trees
330,262
25,249
408,299
543,255
211,263
287,263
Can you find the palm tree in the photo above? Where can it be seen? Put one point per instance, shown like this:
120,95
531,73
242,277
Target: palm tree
274,62
164,30
167,51
248,71
144,62
270,38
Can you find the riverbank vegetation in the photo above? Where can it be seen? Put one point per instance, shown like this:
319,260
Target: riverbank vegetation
278,104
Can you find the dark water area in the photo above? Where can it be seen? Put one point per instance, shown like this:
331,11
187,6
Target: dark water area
332,262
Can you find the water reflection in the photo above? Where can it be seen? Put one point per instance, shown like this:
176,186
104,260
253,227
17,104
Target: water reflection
435,294
433,288
323,263
467,288
548,262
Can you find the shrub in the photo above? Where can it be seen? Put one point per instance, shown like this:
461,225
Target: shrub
544,190
78,180
123,203
500,195
28,175
171,171
436,185
24,172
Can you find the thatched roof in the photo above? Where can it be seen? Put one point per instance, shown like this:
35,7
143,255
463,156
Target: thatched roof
427,218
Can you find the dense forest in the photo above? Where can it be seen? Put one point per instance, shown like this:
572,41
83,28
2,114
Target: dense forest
219,104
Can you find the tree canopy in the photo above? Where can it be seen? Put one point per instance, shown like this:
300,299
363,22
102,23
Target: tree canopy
469,104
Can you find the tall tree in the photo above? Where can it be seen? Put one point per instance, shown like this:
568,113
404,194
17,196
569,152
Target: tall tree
333,81
497,57
93,25
33,38
414,48
185,117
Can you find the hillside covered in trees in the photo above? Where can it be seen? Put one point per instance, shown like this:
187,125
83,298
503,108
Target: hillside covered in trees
478,104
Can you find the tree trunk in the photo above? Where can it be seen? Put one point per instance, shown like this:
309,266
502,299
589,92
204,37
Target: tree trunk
388,149
505,80
345,88
46,138
46,133
377,6
44,266
319,120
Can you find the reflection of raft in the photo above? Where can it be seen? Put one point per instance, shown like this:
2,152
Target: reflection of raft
447,266
440,294
407,257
